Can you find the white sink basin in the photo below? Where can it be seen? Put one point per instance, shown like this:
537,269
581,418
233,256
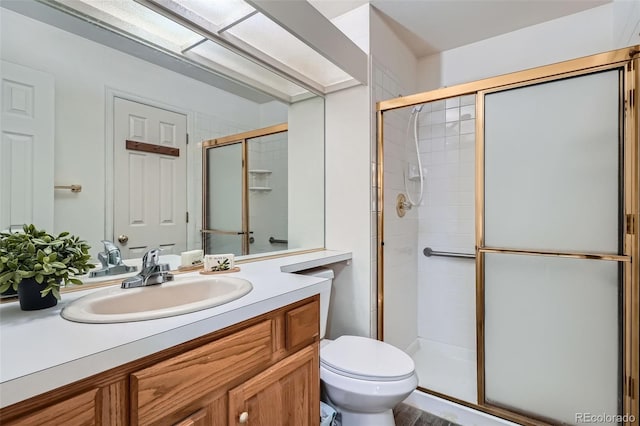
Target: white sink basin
180,296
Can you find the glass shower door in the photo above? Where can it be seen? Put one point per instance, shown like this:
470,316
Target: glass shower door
551,248
223,230
429,301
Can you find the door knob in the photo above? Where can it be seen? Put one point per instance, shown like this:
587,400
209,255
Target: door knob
122,239
244,417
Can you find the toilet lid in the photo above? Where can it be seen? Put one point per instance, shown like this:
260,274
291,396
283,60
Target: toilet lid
366,359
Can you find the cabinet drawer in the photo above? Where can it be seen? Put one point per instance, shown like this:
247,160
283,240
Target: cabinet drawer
302,325
168,387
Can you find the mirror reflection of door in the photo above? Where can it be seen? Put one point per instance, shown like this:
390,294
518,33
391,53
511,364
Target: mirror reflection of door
150,200
245,181
224,182
26,148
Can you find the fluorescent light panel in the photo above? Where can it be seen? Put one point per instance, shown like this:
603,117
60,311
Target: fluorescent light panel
134,18
220,55
258,31
268,37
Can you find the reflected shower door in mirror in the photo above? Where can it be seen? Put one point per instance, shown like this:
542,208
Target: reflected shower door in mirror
246,192
224,195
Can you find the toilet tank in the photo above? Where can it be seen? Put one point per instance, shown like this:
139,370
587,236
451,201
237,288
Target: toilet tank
325,295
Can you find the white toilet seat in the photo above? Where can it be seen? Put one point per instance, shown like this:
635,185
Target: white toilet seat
362,358
373,389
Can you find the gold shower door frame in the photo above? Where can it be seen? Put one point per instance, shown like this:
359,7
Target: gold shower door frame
238,138
624,59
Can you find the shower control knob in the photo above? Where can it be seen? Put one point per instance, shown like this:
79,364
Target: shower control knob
244,417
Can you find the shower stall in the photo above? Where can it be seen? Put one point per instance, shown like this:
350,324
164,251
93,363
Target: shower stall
513,281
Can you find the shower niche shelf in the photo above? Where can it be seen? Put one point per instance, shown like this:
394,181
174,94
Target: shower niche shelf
259,180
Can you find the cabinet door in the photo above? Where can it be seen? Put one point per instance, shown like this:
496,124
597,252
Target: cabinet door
103,406
286,394
199,418
80,410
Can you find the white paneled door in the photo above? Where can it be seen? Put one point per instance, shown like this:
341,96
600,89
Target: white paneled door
26,147
150,189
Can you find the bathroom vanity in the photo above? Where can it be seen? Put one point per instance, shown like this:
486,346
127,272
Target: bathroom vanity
255,360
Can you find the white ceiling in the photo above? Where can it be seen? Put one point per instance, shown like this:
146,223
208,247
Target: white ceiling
431,26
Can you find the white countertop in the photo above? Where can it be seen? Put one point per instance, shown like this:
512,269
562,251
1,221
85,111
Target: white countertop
40,351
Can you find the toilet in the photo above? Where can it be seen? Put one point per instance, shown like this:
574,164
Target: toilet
362,378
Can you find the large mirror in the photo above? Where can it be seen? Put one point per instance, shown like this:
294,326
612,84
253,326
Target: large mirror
78,113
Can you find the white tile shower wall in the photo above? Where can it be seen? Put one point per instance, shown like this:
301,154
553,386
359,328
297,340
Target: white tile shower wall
268,208
400,234
446,289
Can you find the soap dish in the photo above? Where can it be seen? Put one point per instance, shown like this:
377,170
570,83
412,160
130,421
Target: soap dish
190,268
227,271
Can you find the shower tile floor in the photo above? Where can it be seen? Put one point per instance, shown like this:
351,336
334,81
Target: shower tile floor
406,415
446,369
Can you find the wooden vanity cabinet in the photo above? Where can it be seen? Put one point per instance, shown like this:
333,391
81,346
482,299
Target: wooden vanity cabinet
263,371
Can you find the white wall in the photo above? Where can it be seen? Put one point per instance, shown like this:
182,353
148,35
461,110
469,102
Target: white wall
573,36
306,150
348,198
348,207
80,111
393,56
626,22
355,25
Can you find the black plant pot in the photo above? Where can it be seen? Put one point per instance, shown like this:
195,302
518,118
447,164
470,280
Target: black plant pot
30,298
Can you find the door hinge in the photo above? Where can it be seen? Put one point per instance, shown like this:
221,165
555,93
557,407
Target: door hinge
187,217
187,138
630,387
632,97
631,224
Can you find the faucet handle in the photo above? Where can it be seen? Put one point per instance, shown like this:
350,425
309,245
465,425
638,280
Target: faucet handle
151,258
103,260
111,254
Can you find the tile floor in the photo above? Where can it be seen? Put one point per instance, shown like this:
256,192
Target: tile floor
406,415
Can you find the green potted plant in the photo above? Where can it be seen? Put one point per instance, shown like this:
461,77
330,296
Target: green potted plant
37,264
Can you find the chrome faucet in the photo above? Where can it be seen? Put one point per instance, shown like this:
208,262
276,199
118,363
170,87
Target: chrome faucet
152,271
111,260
